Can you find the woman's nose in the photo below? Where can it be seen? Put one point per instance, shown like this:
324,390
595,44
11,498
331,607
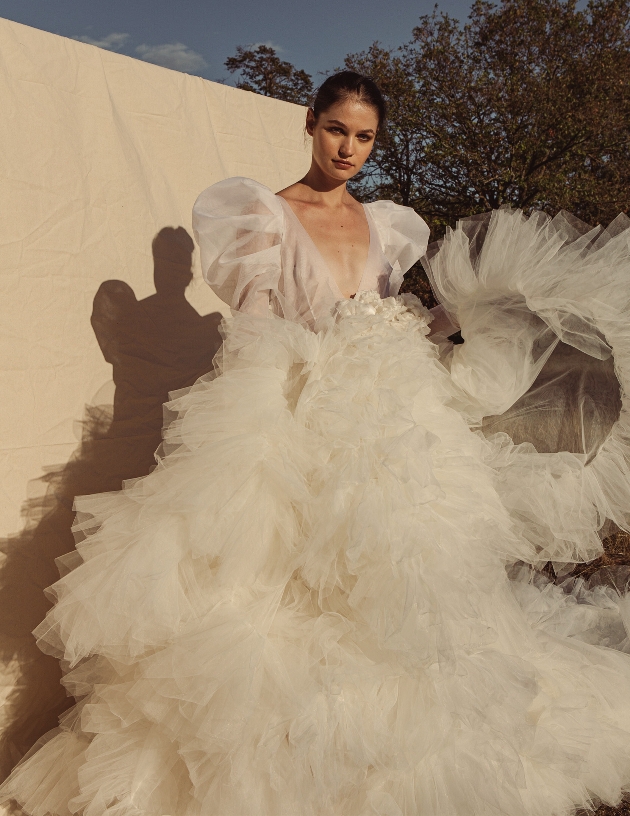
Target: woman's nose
346,148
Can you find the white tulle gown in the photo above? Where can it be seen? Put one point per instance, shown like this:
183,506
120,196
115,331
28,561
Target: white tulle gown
323,601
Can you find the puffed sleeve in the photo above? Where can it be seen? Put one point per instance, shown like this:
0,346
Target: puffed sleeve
238,224
404,237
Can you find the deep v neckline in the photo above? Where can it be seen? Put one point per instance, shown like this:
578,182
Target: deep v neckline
324,262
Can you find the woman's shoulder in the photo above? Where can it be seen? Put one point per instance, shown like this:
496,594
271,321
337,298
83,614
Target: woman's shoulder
294,192
237,196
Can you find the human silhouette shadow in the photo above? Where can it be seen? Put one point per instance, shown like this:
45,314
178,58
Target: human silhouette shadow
155,345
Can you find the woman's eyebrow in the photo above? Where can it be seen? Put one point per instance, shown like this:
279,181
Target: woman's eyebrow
337,122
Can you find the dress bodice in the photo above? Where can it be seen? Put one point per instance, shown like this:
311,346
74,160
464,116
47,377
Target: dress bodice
257,256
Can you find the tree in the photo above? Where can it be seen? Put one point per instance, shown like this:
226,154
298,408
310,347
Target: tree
263,72
527,104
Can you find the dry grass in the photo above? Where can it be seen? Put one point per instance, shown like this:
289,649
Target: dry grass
622,810
616,554
605,810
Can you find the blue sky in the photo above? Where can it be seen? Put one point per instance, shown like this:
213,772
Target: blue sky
198,35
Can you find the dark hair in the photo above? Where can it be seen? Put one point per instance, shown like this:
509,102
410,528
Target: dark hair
339,87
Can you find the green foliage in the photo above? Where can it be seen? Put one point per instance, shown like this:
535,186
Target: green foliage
526,105
263,72
417,283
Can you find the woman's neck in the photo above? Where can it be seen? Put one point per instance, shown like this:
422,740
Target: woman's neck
316,187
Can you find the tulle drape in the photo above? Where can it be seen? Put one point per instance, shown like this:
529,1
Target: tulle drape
543,304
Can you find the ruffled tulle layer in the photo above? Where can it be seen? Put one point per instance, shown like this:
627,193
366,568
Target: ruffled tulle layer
527,291
306,608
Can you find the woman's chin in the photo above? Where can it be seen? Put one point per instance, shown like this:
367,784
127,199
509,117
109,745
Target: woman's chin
342,174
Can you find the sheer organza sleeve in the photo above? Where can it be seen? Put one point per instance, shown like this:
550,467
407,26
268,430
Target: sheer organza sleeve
404,237
238,224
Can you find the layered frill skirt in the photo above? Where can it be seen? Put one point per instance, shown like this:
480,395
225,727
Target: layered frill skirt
323,601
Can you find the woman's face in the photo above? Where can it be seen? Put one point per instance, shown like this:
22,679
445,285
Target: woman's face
343,137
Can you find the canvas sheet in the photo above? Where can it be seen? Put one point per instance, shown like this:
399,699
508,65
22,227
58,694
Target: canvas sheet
100,153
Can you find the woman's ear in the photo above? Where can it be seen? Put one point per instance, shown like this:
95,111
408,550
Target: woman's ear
310,121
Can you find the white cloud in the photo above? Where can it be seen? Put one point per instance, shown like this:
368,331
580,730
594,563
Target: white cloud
113,42
177,56
277,48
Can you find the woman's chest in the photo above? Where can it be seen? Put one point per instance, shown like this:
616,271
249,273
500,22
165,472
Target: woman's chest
342,239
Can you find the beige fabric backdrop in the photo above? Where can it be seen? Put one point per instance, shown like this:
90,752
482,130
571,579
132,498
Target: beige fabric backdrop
99,152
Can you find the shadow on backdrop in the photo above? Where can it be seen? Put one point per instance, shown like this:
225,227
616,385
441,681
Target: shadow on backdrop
155,345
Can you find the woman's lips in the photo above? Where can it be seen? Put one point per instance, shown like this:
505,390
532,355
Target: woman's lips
341,163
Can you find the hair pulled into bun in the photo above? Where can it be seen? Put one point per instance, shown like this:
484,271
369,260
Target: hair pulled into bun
346,84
